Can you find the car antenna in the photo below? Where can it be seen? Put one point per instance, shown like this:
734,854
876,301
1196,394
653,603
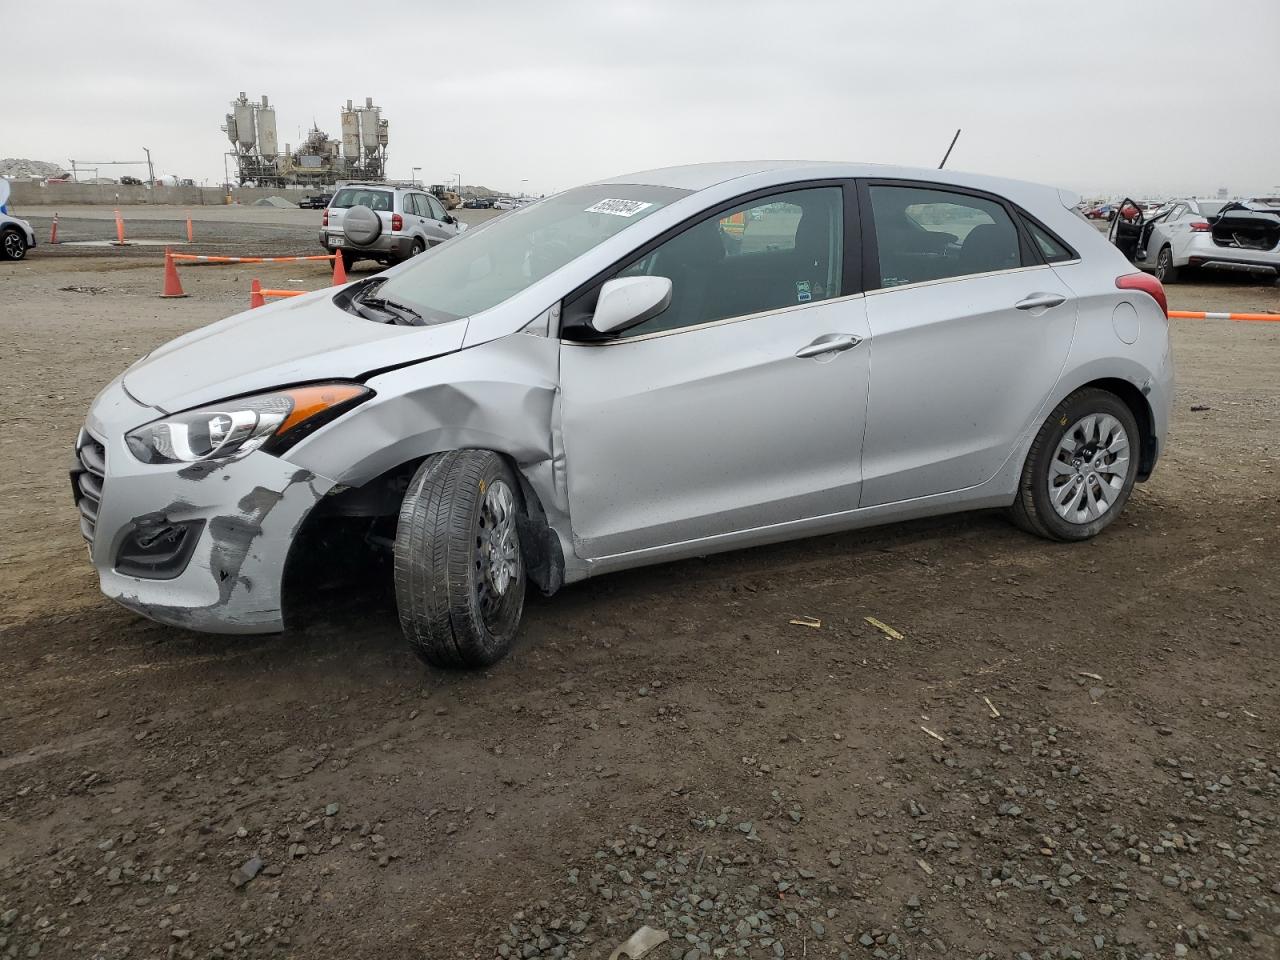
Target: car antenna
949,149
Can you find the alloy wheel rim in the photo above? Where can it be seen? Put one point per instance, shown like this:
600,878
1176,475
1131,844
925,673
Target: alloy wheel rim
12,245
1162,264
497,560
1089,468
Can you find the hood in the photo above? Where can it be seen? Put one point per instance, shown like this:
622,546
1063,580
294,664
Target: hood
297,340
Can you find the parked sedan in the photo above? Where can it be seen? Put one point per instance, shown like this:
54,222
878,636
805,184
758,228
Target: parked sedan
1238,236
598,381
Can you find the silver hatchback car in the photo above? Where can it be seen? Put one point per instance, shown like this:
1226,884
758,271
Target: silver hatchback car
669,364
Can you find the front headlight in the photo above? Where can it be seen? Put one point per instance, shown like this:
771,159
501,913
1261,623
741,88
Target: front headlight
271,421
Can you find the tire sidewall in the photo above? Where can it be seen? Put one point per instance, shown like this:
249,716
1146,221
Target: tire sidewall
1067,414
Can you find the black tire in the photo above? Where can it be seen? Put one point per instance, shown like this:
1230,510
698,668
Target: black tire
348,259
1032,510
1165,271
452,611
13,245
418,247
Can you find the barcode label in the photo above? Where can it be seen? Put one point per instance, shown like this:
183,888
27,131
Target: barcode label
619,208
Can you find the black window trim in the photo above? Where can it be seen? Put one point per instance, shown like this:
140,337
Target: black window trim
850,267
1029,253
1052,235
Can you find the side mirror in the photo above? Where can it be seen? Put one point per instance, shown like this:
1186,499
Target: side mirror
627,301
449,218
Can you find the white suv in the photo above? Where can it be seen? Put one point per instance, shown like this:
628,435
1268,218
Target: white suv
384,222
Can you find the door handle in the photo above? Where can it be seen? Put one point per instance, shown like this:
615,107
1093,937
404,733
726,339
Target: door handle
829,343
1035,300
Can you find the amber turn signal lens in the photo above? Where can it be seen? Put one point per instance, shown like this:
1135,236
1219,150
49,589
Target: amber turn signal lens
309,401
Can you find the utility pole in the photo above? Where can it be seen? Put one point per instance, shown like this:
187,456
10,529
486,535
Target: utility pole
151,172
459,178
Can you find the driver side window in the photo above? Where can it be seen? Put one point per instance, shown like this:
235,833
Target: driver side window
771,253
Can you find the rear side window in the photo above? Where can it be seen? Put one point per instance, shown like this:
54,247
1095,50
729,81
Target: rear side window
924,234
1053,249
348,197
436,210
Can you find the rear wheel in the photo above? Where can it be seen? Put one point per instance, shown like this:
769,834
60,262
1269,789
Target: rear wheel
1166,272
13,245
459,572
348,259
1081,468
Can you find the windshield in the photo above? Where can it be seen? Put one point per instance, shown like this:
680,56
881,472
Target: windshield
483,267
349,197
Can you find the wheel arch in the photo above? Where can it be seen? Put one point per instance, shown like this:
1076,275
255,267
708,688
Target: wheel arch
1140,407
373,507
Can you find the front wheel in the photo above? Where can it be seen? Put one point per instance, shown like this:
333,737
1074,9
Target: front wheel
1166,272
13,245
459,571
1081,468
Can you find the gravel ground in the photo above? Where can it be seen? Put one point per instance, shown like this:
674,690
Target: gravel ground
1073,751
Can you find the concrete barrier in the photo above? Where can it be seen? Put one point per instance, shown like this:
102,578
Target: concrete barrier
114,194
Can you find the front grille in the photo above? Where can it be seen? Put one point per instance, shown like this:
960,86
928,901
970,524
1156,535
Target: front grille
87,478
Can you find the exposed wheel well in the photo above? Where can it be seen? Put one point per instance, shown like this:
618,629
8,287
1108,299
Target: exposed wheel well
358,524
1141,409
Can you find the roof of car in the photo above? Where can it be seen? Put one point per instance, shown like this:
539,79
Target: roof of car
702,176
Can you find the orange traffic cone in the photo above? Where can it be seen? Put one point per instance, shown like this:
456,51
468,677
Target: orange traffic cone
339,270
120,240
256,299
53,232
190,231
172,285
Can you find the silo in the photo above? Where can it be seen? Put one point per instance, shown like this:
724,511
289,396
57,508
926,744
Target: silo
369,125
267,145
246,134
350,133
231,128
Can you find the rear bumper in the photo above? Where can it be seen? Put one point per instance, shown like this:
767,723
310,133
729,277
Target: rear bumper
1204,252
388,245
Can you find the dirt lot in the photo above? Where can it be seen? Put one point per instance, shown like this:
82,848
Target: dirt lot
664,747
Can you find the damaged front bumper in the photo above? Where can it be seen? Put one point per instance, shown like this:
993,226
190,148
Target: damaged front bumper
201,545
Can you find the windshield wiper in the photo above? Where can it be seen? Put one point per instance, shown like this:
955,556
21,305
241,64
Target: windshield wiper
398,312
403,314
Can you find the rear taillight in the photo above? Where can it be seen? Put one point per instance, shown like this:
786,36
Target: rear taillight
397,222
1148,285
324,220
1199,226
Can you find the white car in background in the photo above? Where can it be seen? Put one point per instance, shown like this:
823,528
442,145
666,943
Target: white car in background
1236,235
16,237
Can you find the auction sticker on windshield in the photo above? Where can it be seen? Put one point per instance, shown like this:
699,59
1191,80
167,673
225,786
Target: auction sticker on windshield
619,208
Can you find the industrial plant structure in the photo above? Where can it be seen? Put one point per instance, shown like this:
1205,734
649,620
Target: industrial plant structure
361,154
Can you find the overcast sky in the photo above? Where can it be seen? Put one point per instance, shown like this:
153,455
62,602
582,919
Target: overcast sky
1174,96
